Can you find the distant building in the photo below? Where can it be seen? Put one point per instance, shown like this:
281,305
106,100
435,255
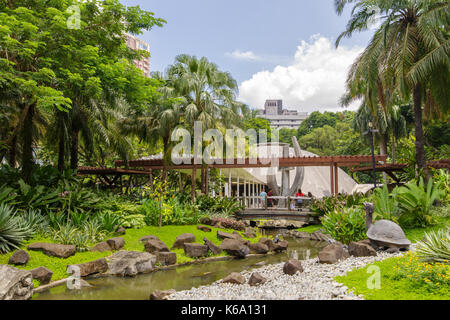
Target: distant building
137,44
282,118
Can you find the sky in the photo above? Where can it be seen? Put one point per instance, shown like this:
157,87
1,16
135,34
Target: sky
275,49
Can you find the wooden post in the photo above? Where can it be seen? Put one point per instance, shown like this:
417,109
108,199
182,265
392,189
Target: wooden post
207,180
245,193
230,188
332,179
336,179
237,192
151,180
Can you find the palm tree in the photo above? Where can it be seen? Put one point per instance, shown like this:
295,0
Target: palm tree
407,56
209,95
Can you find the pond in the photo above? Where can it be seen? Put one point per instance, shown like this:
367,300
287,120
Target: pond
181,278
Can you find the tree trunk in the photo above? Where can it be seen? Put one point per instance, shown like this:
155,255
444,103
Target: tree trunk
420,139
61,153
13,152
27,145
393,148
74,148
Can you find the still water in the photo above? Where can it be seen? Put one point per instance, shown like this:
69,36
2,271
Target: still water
181,278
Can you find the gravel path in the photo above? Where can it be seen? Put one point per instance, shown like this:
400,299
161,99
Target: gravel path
315,283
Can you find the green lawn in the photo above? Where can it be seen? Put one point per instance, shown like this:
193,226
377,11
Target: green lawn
167,234
311,228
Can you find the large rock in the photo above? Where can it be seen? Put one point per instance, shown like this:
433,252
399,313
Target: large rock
222,235
92,267
204,228
195,250
121,230
116,243
19,258
256,279
161,295
53,249
166,258
268,242
292,266
235,248
42,274
153,246
101,247
146,238
281,246
212,247
333,253
361,249
130,263
182,239
234,278
319,236
250,233
15,284
258,248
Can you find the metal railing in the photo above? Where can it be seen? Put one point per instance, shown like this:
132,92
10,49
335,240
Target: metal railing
275,202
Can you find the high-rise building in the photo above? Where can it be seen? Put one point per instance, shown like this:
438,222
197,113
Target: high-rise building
138,44
282,118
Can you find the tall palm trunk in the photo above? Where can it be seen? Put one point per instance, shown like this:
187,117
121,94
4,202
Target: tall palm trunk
393,148
74,148
384,151
27,145
420,139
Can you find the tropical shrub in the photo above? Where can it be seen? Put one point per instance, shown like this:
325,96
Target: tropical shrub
329,204
346,224
81,236
134,221
415,202
217,205
435,247
385,204
171,212
13,231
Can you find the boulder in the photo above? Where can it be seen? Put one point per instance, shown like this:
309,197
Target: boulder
166,258
319,236
152,246
235,248
234,278
392,250
146,238
250,233
101,247
222,235
212,247
53,249
42,274
92,267
195,250
256,279
121,230
116,243
360,249
258,248
15,284
204,228
131,263
333,253
300,235
206,220
281,246
292,266
19,258
161,295
182,239
268,242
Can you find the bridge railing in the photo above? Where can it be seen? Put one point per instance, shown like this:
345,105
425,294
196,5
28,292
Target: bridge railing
275,202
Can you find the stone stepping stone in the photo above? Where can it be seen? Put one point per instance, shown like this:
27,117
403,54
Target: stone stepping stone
182,240
19,258
42,274
53,249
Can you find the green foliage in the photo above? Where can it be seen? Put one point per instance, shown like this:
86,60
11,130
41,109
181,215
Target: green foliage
416,201
345,225
217,205
171,212
385,204
329,204
13,230
134,221
435,246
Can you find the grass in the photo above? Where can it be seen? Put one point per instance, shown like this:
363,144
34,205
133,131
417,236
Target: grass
311,228
392,287
167,234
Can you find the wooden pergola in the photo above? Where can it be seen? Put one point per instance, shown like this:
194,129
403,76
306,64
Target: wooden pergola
334,162
111,177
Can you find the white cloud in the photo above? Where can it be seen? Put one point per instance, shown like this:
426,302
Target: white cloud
243,55
314,81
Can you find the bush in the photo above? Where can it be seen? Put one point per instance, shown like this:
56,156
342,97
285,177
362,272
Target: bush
13,232
415,202
330,204
435,247
345,225
171,211
385,203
